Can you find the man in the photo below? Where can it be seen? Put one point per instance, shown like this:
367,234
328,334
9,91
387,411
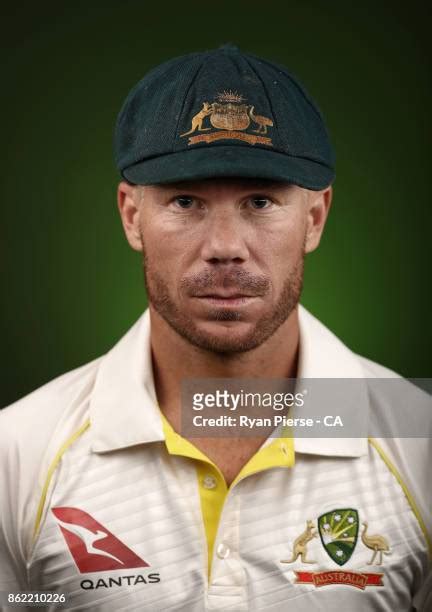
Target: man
227,172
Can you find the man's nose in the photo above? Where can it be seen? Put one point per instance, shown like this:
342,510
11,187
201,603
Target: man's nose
224,239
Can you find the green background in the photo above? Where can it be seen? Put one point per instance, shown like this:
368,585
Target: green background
71,284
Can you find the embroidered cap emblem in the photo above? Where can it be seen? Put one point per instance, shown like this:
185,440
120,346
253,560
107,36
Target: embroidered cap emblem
92,546
338,531
231,116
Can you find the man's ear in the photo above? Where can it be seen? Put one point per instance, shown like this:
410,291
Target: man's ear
319,206
128,198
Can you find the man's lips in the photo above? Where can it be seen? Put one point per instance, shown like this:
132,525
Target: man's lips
224,296
226,299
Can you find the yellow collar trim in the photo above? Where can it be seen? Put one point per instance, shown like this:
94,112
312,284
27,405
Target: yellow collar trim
279,453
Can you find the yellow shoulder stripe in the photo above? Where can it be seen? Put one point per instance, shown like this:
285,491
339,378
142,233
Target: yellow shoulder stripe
52,468
405,489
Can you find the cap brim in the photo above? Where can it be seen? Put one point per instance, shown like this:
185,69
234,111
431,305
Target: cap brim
229,161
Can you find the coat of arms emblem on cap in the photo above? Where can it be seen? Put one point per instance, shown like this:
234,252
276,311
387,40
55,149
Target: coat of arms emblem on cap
230,116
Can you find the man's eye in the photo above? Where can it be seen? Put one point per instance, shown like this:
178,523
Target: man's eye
184,202
260,203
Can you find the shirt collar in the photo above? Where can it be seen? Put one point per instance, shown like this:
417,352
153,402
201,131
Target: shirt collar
123,405
323,355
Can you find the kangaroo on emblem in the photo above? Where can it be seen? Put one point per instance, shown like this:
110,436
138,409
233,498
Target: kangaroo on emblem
197,120
300,544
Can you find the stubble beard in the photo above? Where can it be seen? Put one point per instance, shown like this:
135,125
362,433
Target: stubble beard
159,297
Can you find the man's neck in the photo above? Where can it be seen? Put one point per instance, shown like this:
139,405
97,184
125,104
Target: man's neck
174,359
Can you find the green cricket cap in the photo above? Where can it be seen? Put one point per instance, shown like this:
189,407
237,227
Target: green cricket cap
222,113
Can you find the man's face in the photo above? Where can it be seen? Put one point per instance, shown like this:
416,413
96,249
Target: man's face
223,259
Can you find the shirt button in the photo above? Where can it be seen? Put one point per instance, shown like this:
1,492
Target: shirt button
209,482
222,551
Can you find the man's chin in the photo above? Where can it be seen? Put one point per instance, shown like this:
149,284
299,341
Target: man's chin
226,335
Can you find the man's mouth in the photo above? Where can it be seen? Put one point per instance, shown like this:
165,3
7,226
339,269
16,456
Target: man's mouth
226,298
224,295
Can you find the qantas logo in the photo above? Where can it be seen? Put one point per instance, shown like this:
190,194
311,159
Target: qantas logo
92,546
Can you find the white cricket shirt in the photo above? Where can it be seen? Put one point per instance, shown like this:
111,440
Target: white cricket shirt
102,501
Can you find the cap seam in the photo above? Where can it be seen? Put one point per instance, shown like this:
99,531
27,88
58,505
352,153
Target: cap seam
263,86
194,78
293,80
